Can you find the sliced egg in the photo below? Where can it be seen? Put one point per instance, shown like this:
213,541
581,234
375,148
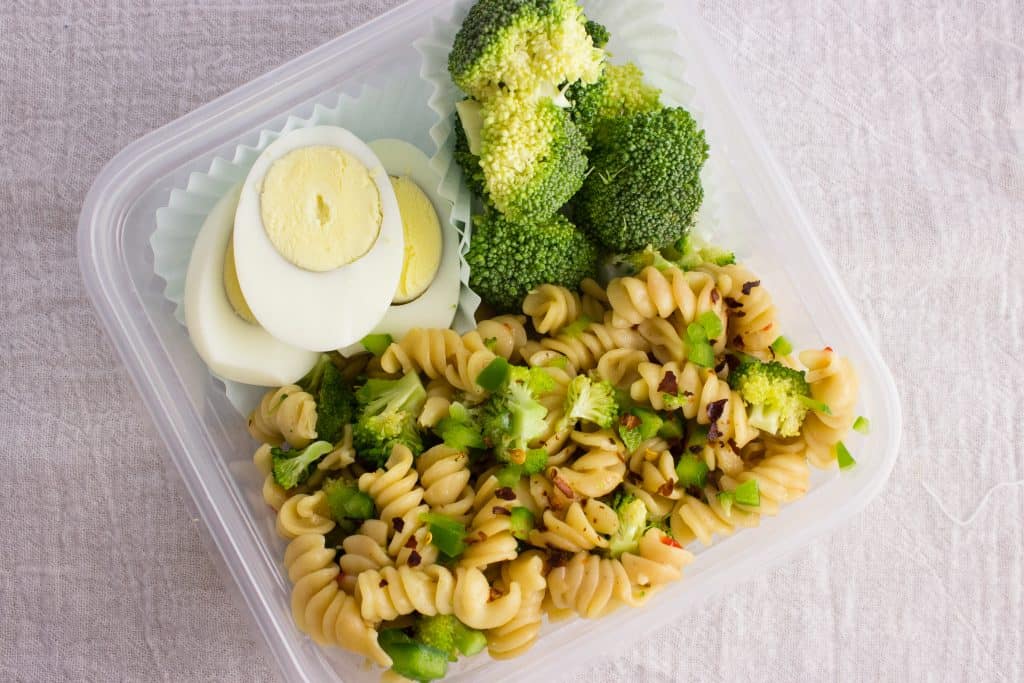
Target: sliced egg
318,239
233,348
436,306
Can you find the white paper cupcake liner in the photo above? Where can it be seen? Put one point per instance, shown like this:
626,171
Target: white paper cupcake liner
401,111
638,34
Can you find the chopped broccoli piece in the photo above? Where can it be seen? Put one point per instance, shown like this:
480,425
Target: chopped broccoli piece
632,515
446,633
692,471
775,394
377,344
746,494
291,467
461,429
782,346
334,405
507,260
843,456
591,401
494,375
538,380
447,533
388,412
637,425
643,187
672,428
534,462
862,425
346,501
412,659
598,33
522,523
521,45
513,417
620,92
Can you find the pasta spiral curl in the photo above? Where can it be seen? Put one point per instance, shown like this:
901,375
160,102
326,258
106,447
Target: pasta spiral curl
591,586
656,468
835,383
552,307
660,293
438,401
343,455
753,324
594,301
619,366
520,633
392,592
582,350
364,551
659,560
504,335
304,514
490,532
273,494
422,350
474,606
782,477
398,496
696,519
444,474
598,471
320,608
285,414
573,533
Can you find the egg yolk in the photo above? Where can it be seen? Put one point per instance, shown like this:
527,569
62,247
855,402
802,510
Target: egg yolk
422,231
320,208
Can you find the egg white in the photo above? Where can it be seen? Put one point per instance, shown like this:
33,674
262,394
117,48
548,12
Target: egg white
232,348
436,306
319,311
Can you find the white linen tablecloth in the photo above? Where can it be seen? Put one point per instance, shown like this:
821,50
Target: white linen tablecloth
901,125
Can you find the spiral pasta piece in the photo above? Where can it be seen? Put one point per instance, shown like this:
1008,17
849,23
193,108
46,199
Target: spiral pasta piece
782,477
835,383
285,414
552,307
391,592
571,532
320,608
582,350
694,518
422,350
655,467
398,496
595,473
504,335
520,633
439,399
591,586
594,300
444,474
476,605
753,324
619,366
658,293
343,455
659,560
304,514
489,535
364,551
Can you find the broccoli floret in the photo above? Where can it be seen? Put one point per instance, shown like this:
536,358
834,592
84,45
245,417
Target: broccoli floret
598,33
388,412
461,429
412,659
691,252
613,266
537,380
632,515
643,187
310,382
291,467
507,260
517,45
592,401
334,405
778,396
347,502
467,161
513,417
446,633
621,91
532,156
637,425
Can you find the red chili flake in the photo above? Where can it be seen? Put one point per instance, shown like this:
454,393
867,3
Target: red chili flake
667,488
414,559
563,486
411,543
669,541
747,286
732,303
340,578
687,394
383,583
398,523
715,296
629,421
481,536
669,384
494,594
829,349
505,493
498,510
739,314
716,409
737,341
713,433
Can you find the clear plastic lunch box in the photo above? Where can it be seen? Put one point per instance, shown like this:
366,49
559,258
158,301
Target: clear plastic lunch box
206,438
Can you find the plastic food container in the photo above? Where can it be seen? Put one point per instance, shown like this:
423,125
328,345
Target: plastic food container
206,439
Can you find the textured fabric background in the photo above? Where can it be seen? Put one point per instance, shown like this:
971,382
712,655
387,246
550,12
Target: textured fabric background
901,124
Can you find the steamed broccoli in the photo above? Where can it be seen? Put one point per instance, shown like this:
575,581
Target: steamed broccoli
334,405
347,502
292,467
461,428
446,633
520,45
632,515
621,91
467,154
592,401
598,33
778,396
691,252
388,411
513,417
509,259
643,187
612,266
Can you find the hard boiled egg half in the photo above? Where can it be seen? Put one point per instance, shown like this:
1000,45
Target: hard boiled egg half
234,347
318,240
427,294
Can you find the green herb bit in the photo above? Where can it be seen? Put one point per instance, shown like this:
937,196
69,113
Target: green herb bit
782,346
377,344
494,376
843,457
862,425
521,522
